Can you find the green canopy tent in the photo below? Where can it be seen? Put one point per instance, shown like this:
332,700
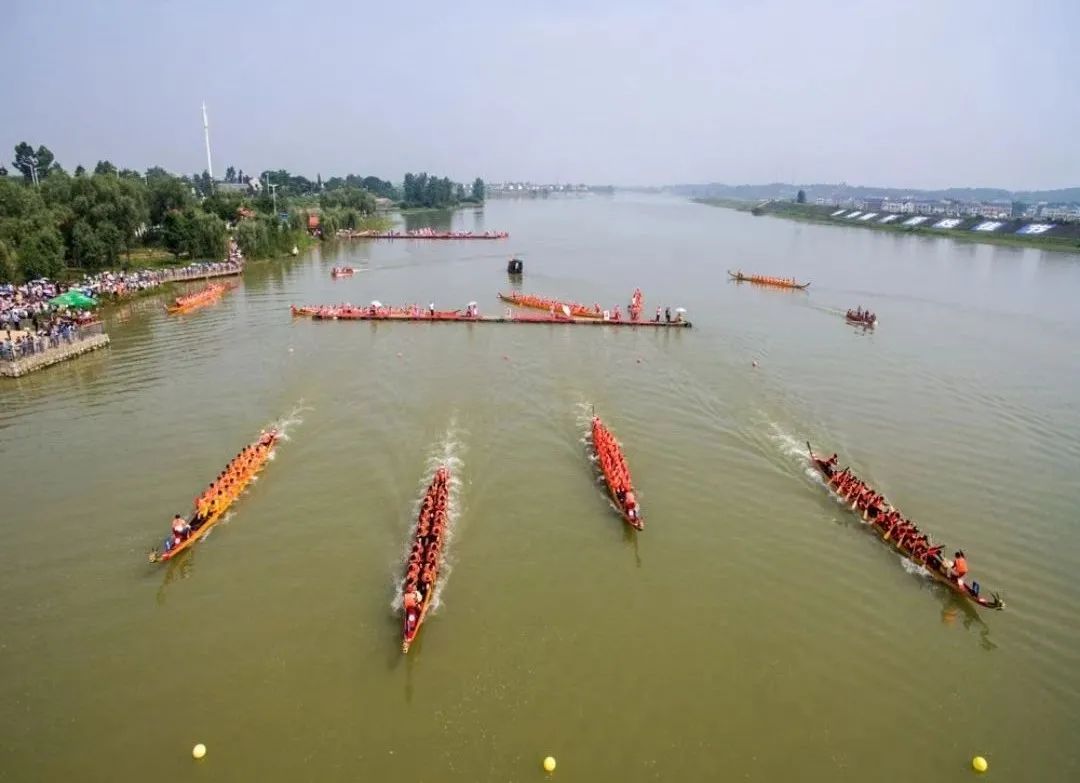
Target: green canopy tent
73,299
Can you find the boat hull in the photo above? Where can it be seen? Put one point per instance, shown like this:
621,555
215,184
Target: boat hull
762,281
576,310
440,495
861,322
964,591
636,522
213,519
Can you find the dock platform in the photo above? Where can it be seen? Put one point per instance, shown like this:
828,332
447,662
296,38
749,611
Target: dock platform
337,314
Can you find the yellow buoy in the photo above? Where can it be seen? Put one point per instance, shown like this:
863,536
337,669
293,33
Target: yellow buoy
549,764
979,764
198,751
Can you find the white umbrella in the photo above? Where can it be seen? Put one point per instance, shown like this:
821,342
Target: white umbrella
680,309
472,304
376,303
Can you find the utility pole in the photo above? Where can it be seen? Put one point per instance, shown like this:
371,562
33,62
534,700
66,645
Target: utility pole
273,194
206,133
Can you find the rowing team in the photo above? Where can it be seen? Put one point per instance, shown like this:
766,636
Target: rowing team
555,304
424,556
209,292
858,314
614,467
790,281
879,512
224,489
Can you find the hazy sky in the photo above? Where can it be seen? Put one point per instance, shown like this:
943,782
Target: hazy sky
913,93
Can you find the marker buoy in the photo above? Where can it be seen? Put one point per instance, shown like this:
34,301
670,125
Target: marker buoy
979,764
754,363
198,751
549,764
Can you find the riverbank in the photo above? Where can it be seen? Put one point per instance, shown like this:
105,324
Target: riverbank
1067,238
422,210
84,340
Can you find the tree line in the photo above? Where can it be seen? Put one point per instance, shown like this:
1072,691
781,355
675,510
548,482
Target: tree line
424,190
52,222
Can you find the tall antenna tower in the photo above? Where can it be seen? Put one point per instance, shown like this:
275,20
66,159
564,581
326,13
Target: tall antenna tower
206,133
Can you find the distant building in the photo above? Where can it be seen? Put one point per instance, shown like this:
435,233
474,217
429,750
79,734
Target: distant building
1058,212
243,188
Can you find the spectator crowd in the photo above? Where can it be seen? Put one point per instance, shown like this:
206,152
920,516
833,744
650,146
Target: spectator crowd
29,324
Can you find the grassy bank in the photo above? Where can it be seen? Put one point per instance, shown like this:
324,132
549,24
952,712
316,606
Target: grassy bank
812,213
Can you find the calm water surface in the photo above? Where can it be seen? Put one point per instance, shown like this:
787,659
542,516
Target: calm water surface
753,631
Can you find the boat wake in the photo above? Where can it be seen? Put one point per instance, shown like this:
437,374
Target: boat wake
289,421
447,451
794,450
914,568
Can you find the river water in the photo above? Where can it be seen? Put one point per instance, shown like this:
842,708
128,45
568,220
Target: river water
753,631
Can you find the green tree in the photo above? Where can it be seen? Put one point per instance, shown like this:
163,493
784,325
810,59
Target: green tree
478,189
230,174
87,249
32,246
224,205
104,167
800,198
34,165
349,197
41,254
166,193
176,231
9,267
80,171
194,233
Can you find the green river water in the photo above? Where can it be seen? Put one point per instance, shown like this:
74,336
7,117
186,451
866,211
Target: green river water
753,631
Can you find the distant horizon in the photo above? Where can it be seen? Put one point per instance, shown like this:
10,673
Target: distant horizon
6,161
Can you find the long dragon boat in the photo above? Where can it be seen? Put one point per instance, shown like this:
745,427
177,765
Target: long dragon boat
422,567
200,526
552,305
616,474
420,315
778,282
933,564
423,233
342,271
202,297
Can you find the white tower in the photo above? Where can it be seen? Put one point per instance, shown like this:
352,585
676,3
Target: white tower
206,132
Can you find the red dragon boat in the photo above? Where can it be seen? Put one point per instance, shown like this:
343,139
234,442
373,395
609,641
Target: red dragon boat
425,556
552,305
616,474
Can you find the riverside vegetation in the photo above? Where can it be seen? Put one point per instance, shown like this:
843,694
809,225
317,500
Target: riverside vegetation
54,224
1064,236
